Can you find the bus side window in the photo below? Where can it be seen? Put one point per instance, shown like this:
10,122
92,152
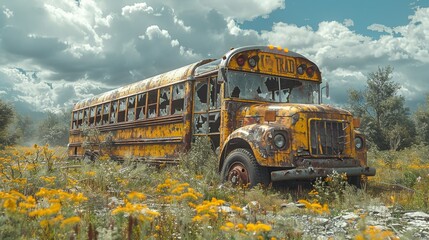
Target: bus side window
122,108
214,94
85,116
131,108
80,118
200,97
164,101
98,115
113,109
74,122
201,123
152,103
92,116
141,106
106,110
178,98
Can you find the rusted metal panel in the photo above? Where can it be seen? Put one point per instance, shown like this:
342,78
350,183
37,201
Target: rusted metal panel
246,120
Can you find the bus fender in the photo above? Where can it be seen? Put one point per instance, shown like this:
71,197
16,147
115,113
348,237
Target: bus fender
256,137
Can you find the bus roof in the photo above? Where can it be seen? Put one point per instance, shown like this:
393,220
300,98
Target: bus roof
188,72
165,79
268,49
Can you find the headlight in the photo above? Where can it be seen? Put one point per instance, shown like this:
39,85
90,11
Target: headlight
279,141
358,143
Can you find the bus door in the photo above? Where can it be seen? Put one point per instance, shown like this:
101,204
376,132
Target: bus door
206,112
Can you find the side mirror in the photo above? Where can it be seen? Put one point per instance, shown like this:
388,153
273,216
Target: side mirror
326,87
221,75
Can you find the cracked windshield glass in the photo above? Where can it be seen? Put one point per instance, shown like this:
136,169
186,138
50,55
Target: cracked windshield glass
261,87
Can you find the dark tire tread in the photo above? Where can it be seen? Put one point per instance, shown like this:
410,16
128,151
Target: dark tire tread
257,173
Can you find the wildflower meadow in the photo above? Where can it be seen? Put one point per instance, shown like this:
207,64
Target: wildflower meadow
44,195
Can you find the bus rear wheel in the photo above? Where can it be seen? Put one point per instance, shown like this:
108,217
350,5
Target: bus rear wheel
241,169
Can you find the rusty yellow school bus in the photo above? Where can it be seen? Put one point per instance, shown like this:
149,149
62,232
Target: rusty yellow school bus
259,105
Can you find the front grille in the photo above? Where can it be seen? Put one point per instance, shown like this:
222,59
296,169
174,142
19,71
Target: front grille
328,137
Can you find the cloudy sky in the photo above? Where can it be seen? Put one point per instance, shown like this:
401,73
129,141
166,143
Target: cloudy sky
54,52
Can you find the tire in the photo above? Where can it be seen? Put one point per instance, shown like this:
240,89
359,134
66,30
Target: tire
241,168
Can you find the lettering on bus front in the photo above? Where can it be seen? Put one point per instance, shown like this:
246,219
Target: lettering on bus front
279,64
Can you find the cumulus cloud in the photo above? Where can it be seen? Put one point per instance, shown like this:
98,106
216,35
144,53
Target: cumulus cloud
7,12
380,28
153,32
82,48
137,7
346,57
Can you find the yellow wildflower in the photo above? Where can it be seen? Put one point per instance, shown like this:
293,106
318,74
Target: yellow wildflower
53,209
70,221
10,204
90,173
258,227
136,195
48,180
50,222
236,208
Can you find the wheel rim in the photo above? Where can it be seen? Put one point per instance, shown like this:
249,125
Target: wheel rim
238,174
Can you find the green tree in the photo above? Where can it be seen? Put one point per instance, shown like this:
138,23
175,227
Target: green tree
54,129
24,128
6,118
385,119
421,117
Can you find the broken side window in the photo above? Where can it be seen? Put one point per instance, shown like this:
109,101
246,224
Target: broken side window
164,101
113,109
152,103
201,124
106,111
200,98
214,122
80,118
85,116
131,108
141,106
92,116
74,121
122,108
214,94
98,115
178,103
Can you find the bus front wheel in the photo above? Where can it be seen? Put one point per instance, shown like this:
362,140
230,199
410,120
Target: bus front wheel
241,168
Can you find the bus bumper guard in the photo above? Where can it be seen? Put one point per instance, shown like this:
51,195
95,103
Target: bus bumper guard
310,173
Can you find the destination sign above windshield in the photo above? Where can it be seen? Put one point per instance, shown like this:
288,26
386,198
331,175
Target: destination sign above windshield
275,64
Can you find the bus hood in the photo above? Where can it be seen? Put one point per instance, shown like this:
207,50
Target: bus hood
288,110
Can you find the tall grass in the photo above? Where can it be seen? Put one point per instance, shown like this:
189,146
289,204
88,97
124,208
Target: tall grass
45,196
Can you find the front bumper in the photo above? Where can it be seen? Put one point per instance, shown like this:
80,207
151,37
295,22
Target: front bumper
312,173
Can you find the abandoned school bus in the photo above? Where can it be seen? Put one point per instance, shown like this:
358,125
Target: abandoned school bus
259,105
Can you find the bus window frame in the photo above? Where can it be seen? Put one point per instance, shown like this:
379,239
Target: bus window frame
144,106
122,113
104,113
112,107
156,104
180,99
127,111
168,107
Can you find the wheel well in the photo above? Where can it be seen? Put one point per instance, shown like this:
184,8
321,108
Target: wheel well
232,145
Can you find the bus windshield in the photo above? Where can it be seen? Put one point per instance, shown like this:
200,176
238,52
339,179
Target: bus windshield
260,87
